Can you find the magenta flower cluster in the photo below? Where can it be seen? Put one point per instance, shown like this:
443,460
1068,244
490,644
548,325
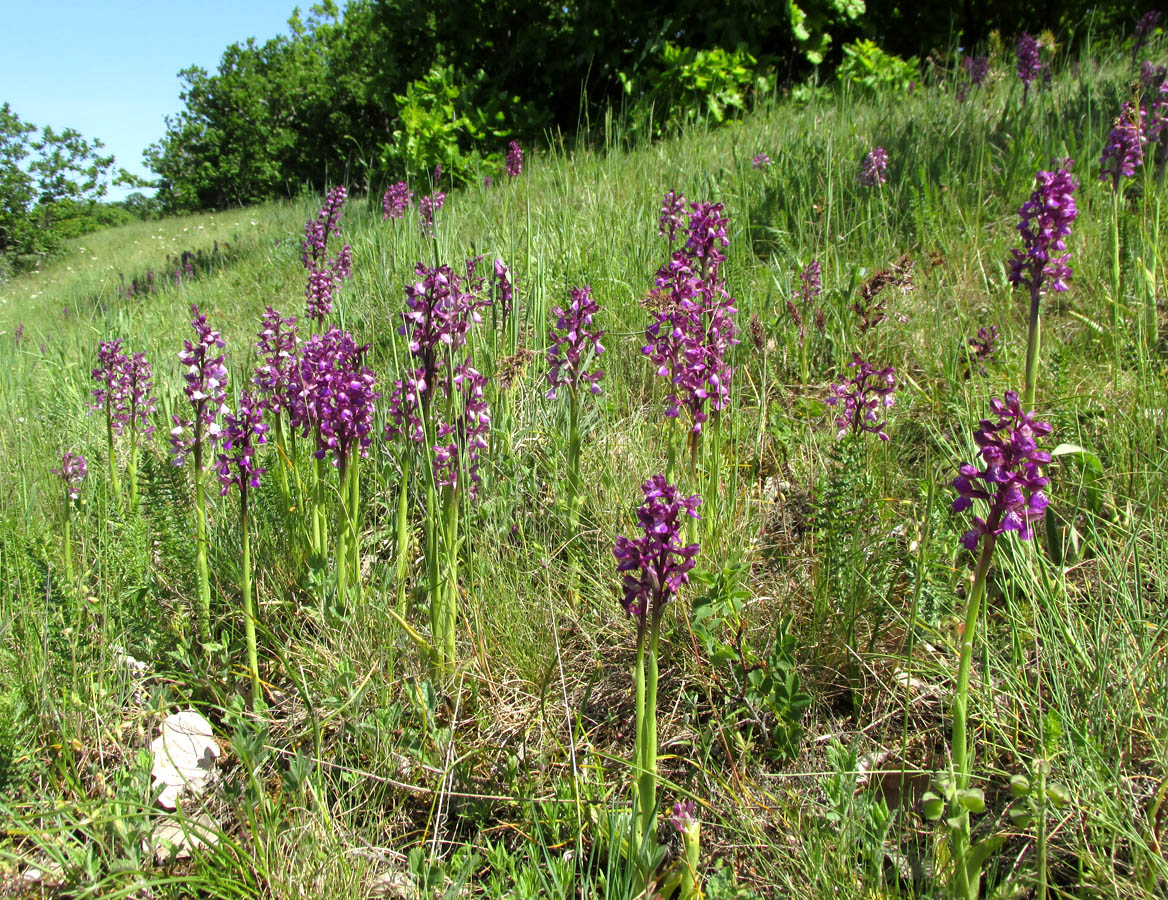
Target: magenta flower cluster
440,309
1124,151
504,286
982,349
396,201
574,342
514,163
1011,481
462,441
1029,63
976,69
126,388
760,161
694,330
874,169
859,401
278,345
428,206
672,218
1145,28
243,430
684,815
337,392
324,273
656,563
206,389
1045,224
810,284
72,472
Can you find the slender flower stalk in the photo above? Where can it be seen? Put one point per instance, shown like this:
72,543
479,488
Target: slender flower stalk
278,344
803,308
72,473
206,389
428,206
655,566
574,344
1010,484
460,443
237,467
1044,225
686,823
324,273
692,334
976,69
514,163
340,392
396,201
1124,151
108,397
1145,28
440,405
138,396
874,170
672,218
1029,63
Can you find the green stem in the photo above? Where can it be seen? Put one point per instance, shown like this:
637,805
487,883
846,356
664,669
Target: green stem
1040,849
647,739
403,537
1033,346
962,759
321,510
68,543
249,617
434,584
315,548
343,540
575,494
968,884
132,467
109,437
281,464
639,767
354,519
691,844
204,575
450,601
1116,278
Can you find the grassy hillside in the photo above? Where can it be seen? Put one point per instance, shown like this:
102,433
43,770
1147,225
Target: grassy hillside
830,572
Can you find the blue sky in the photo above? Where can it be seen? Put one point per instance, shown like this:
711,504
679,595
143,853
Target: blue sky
109,69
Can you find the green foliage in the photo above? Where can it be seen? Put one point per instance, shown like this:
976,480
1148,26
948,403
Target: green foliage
859,817
810,22
449,122
50,184
684,84
765,688
868,67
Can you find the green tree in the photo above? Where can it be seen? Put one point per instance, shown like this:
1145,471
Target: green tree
51,183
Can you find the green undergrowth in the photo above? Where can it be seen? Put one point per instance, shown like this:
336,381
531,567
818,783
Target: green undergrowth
806,673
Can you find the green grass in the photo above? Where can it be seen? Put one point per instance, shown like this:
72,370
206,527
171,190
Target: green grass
509,778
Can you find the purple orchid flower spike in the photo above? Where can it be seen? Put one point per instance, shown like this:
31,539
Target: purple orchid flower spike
656,563
859,401
574,341
1011,480
72,473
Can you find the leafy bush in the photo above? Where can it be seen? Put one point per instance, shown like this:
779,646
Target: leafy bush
685,84
868,67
